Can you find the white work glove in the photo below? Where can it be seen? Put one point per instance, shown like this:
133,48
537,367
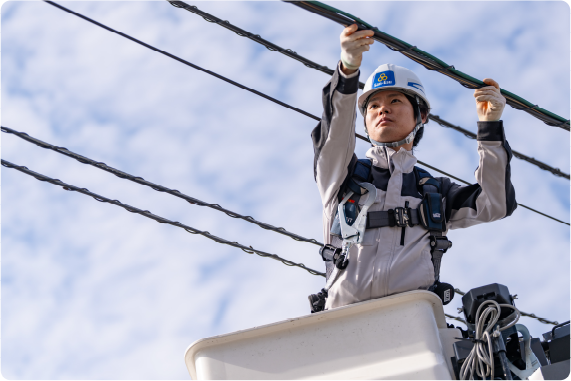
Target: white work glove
490,102
353,44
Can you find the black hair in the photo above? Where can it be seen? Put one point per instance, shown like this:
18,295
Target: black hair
423,109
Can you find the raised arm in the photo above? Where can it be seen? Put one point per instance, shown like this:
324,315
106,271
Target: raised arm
334,136
493,197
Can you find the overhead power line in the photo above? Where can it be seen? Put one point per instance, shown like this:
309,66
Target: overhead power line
254,37
455,318
429,61
324,69
181,60
159,188
162,220
246,88
531,160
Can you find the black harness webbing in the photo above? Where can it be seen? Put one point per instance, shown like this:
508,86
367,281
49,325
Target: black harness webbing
392,218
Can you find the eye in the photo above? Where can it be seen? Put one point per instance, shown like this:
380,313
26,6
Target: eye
395,100
373,106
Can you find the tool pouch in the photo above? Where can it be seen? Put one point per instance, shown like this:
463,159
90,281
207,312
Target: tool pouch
431,212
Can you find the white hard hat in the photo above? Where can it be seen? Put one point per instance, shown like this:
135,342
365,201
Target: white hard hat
389,76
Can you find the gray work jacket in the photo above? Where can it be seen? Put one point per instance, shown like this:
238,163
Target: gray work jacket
381,266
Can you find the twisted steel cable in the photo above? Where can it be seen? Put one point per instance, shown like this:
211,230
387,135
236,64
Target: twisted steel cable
313,65
429,61
246,88
159,219
254,37
455,318
159,188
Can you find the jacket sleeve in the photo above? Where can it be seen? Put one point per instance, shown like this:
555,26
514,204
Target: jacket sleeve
334,140
493,196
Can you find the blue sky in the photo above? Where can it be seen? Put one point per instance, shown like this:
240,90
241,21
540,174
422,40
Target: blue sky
90,291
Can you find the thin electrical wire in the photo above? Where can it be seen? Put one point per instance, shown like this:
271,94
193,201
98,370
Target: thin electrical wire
429,61
162,220
324,69
158,188
519,155
243,87
182,60
455,318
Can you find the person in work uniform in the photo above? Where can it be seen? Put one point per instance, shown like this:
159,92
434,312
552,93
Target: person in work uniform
395,107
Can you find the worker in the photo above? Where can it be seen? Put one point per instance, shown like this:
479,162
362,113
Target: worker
395,258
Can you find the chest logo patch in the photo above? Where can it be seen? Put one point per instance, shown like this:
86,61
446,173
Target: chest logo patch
383,78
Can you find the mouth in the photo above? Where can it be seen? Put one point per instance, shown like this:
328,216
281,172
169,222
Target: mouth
384,122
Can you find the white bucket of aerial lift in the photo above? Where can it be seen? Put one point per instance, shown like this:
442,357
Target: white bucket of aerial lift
401,336
389,76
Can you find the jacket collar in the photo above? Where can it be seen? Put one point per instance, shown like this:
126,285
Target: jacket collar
387,158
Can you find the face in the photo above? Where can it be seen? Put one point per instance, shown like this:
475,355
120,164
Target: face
390,116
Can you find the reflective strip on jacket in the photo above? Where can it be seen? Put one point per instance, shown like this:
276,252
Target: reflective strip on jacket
381,266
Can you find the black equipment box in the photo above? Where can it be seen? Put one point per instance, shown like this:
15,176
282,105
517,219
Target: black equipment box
475,297
559,344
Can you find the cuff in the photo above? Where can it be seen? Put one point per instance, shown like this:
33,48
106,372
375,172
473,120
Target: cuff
491,131
348,84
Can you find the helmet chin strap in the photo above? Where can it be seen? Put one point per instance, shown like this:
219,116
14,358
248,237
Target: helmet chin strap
408,139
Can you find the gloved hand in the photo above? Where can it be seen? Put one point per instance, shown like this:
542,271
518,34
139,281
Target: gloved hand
490,102
353,44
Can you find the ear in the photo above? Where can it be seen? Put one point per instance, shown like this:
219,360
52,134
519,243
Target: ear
424,115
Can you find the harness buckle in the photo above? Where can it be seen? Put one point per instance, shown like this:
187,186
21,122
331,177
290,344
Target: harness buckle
402,217
439,243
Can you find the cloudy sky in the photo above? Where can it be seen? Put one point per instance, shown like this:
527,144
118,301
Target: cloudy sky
90,291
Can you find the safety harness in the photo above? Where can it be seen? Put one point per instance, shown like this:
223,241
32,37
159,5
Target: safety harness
429,214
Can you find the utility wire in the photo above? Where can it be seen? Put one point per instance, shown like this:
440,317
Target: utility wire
146,213
455,318
159,188
246,88
542,320
313,65
429,61
531,160
254,37
183,61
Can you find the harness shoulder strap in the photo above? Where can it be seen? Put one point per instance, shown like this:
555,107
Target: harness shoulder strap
432,216
362,173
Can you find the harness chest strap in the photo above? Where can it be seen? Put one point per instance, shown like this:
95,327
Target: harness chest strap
393,217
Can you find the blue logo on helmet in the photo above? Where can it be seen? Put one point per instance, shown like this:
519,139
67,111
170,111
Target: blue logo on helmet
384,78
416,86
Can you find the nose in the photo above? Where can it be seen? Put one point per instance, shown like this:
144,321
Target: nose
384,109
